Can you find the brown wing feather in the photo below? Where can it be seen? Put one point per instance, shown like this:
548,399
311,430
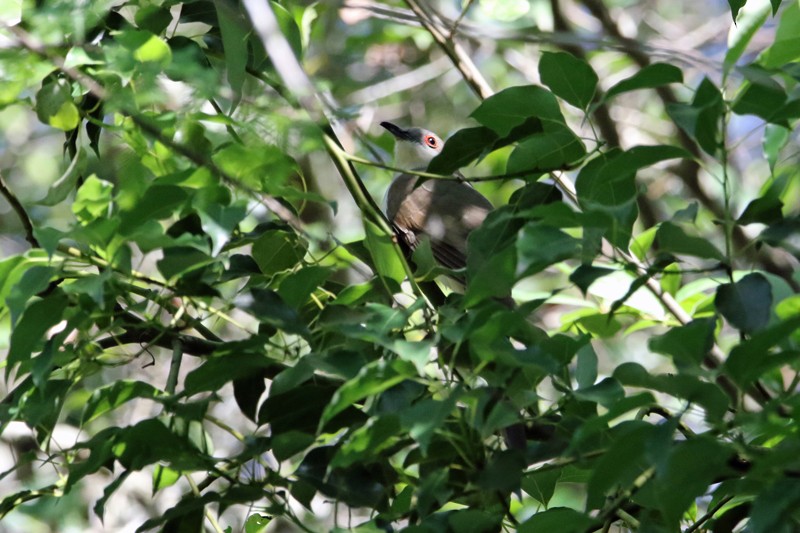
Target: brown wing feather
444,211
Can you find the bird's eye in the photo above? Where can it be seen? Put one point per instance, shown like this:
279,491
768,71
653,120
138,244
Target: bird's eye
430,140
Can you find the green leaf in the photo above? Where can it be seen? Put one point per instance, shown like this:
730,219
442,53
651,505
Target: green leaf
492,277
607,392
569,77
234,32
289,29
606,188
672,238
151,441
785,47
296,288
218,370
649,77
462,148
152,18
257,523
750,19
609,180
541,485
114,395
158,202
585,275
296,410
276,251
624,460
775,138
746,304
736,5
34,280
266,305
28,334
561,519
368,442
220,222
540,246
511,107
762,96
383,252
692,466
701,119
774,507
247,392
687,345
55,107
751,358
685,386
93,199
474,521
586,367
164,476
11,13
764,210
261,166
554,148
180,260
373,379
68,181
145,47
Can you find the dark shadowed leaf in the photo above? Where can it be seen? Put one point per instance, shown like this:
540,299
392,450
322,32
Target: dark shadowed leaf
688,344
651,76
671,238
685,386
736,5
275,251
561,519
585,275
701,119
247,391
749,359
746,304
539,246
541,485
464,147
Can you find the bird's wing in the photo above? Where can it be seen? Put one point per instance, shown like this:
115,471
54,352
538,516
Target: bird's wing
443,211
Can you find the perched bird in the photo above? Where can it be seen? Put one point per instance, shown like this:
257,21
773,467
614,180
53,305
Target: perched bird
445,211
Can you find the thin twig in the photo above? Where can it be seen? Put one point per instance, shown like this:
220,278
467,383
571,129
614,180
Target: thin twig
18,208
709,514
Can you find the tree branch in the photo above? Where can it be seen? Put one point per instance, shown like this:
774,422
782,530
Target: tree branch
18,208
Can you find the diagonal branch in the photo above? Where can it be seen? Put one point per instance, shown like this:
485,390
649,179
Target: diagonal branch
453,49
18,208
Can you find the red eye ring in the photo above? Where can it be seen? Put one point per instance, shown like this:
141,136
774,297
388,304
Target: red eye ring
430,140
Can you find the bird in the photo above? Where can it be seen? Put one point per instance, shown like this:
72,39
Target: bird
443,211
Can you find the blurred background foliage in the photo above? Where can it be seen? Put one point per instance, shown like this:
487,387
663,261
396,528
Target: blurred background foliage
206,325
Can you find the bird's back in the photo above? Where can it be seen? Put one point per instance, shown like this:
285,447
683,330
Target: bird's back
446,211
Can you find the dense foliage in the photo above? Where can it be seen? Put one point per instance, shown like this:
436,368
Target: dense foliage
207,323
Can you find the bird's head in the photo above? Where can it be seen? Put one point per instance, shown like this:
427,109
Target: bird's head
415,147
